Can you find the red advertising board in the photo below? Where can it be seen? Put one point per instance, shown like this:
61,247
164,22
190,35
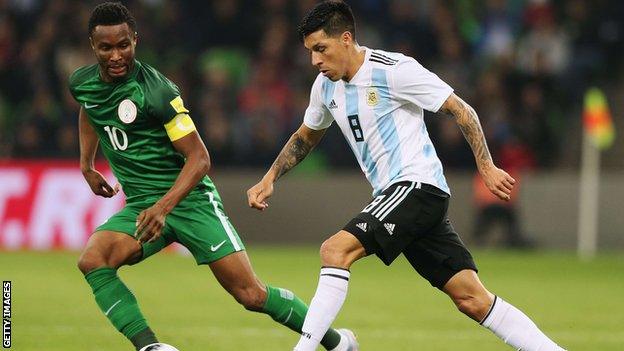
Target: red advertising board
47,205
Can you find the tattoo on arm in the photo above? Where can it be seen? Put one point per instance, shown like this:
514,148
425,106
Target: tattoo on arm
468,122
293,152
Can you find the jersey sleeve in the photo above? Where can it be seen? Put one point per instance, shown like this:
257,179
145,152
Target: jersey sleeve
78,77
71,85
167,102
317,116
416,84
168,108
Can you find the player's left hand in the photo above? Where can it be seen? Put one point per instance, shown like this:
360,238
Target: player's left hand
498,181
149,224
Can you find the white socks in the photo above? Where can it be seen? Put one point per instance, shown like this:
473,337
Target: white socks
326,303
516,329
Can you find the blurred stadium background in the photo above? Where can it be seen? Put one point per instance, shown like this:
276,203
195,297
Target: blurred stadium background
524,65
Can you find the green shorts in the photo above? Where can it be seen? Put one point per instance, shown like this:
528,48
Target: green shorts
198,222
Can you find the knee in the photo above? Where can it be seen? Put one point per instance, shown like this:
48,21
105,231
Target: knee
474,306
251,298
89,261
332,255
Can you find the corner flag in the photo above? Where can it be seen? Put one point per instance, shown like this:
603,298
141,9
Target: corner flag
597,122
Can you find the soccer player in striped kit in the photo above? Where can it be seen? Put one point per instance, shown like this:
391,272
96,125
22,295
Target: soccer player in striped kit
377,99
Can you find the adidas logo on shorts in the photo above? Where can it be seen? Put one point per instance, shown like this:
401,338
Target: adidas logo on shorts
389,227
362,226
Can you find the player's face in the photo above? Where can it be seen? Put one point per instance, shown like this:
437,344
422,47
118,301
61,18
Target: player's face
329,54
114,49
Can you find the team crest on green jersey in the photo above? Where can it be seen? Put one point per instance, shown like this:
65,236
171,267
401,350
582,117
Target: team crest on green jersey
127,111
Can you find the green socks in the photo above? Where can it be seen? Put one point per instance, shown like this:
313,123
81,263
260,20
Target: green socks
287,309
120,306
143,338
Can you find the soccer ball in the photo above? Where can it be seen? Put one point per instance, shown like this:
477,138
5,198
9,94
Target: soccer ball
159,347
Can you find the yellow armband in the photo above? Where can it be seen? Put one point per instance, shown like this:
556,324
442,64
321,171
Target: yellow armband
181,125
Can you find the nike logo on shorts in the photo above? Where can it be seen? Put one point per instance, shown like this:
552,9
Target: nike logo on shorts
214,248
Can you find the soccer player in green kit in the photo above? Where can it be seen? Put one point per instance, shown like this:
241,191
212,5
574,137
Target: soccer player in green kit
138,117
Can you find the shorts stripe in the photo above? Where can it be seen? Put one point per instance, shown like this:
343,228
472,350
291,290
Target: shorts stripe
386,212
397,193
224,222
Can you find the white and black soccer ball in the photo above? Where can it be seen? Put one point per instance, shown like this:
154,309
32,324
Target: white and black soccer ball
159,347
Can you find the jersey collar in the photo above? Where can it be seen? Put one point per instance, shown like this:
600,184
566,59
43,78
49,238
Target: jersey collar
362,68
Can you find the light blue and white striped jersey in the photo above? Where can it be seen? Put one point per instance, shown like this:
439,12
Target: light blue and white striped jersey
380,113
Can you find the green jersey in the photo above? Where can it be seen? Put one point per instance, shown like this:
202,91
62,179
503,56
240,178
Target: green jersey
136,120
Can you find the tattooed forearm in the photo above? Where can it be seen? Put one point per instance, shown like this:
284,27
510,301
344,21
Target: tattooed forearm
295,150
470,126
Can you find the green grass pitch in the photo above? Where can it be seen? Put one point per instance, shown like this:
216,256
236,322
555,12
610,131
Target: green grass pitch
579,304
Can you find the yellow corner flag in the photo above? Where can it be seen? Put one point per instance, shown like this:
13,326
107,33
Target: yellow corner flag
597,121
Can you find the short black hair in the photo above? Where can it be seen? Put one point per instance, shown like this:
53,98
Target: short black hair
111,13
334,17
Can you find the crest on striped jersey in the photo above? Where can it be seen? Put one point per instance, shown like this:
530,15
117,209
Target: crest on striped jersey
372,97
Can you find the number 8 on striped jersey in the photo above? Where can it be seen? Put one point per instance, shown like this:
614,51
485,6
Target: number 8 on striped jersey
354,123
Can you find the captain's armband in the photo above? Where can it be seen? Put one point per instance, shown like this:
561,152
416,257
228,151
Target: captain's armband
180,126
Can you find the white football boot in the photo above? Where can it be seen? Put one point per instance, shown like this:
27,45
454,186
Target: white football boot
348,342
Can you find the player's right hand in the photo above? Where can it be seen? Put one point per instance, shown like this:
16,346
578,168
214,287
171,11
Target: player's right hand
98,184
258,194
150,223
